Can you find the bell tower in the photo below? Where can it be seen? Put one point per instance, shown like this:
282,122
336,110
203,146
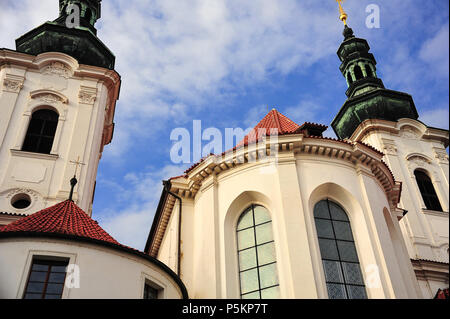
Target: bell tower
416,154
58,92
367,98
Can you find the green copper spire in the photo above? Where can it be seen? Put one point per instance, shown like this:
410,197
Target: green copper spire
73,33
367,96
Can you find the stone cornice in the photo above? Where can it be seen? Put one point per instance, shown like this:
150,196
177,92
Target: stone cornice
355,153
427,133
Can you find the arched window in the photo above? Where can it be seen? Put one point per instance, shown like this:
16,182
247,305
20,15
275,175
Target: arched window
257,259
369,71
358,73
41,132
339,257
427,190
88,15
349,78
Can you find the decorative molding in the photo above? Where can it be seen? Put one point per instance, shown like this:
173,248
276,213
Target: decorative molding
57,68
389,148
409,133
87,95
33,194
441,156
13,83
49,96
20,153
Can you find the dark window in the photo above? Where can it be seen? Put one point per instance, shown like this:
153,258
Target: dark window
427,190
339,257
358,73
257,258
21,203
349,78
369,71
46,279
88,15
150,292
41,132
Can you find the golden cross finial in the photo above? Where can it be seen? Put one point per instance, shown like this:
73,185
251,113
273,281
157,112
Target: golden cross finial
343,16
77,163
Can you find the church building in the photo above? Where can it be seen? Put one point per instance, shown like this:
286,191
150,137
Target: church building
287,213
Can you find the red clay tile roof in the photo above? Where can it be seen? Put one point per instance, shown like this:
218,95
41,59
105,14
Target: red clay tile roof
275,122
64,218
442,294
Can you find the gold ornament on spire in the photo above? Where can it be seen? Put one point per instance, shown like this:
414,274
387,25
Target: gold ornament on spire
343,16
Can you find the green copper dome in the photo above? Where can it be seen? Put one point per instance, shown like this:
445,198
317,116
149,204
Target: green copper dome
367,96
79,41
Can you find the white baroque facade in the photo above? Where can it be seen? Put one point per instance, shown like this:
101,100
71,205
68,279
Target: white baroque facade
84,98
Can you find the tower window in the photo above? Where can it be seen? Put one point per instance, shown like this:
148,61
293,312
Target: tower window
358,72
41,132
46,279
369,71
257,258
343,275
427,190
349,78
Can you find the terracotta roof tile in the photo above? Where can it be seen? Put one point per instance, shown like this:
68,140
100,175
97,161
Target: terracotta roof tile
274,123
63,218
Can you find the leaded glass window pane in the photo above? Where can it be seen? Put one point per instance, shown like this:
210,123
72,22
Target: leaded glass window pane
246,220
249,281
257,257
247,259
337,247
271,293
266,254
342,230
264,233
268,276
246,238
261,215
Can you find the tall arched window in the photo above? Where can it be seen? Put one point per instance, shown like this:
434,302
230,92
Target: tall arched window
41,132
257,259
427,190
358,73
339,257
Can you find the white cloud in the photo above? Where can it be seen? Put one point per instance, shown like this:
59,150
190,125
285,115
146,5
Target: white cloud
130,214
435,52
436,118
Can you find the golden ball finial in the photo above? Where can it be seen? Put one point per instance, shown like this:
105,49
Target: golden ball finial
343,16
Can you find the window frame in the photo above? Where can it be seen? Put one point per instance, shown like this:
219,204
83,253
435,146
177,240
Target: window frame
336,240
50,262
426,196
41,136
255,246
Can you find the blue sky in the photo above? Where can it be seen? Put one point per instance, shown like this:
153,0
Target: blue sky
222,62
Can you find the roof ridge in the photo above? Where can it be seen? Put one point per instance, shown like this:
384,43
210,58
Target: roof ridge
277,121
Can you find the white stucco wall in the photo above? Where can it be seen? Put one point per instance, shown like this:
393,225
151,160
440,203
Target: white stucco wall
105,273
409,145
84,98
289,191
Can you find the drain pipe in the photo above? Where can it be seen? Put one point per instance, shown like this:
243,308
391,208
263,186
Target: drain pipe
167,187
